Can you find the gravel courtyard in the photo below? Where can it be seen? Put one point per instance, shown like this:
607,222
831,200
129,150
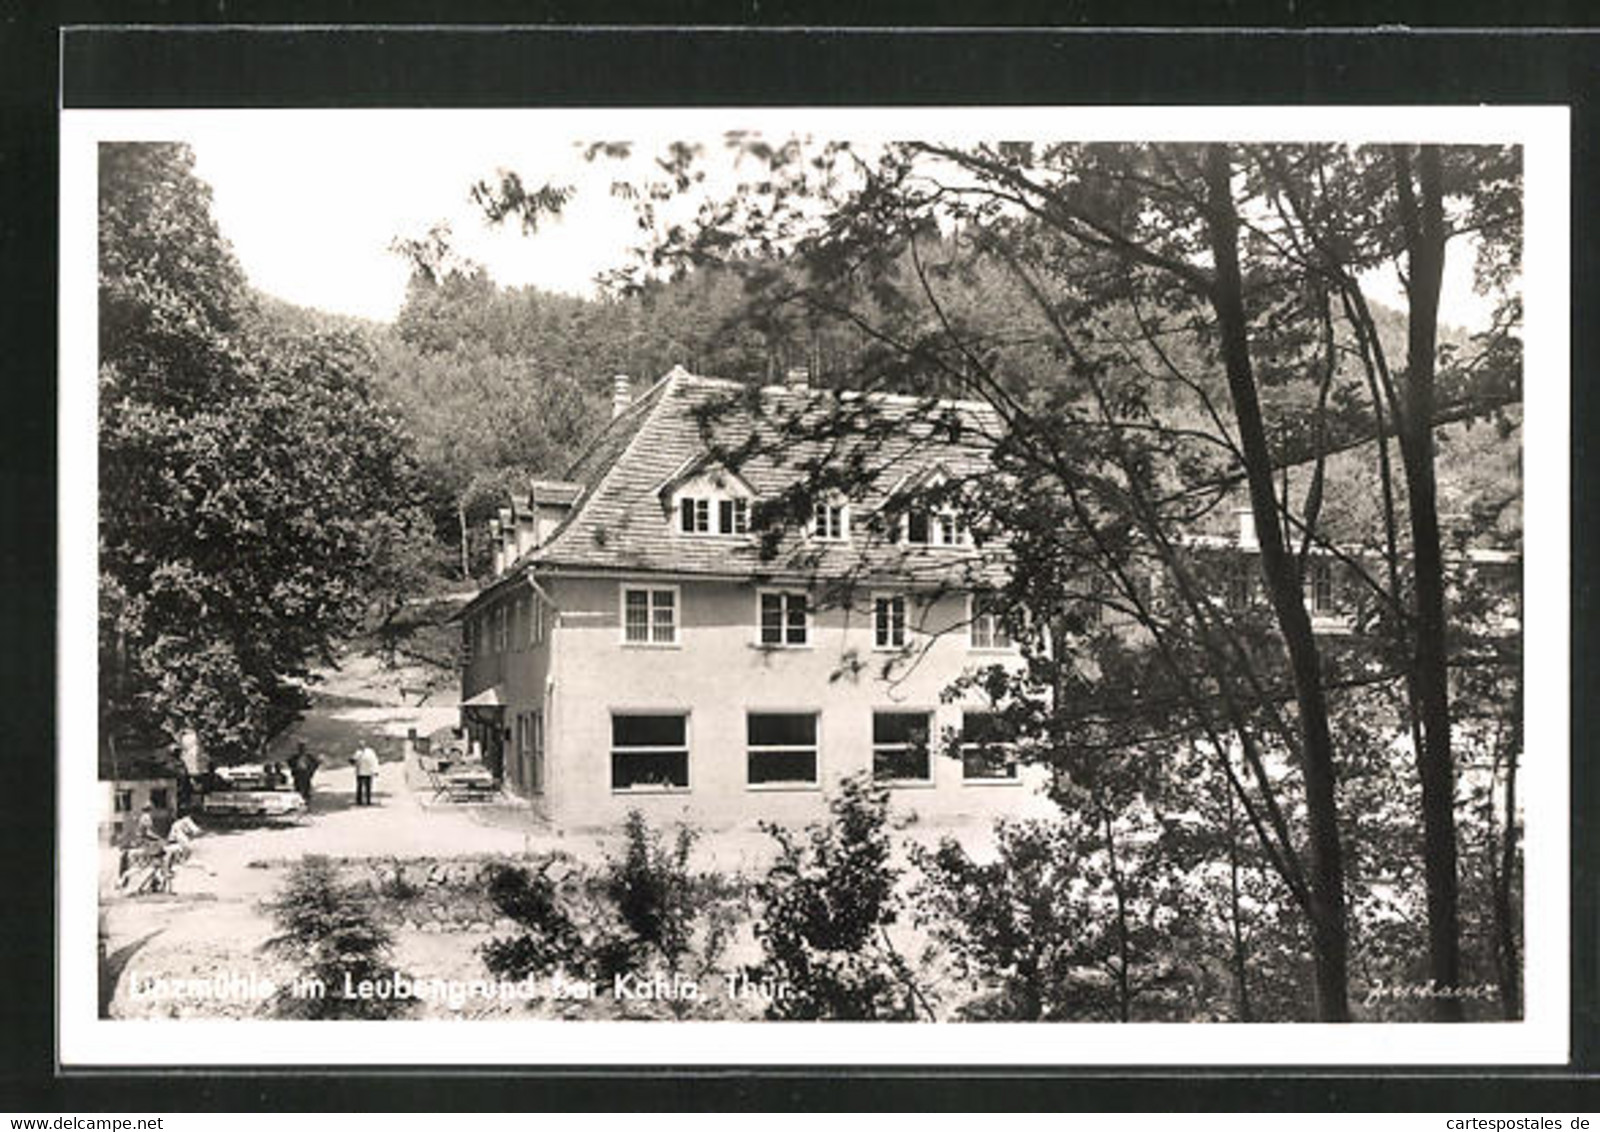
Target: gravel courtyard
213,923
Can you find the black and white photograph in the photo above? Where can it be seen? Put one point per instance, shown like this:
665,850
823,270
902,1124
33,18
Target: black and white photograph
580,572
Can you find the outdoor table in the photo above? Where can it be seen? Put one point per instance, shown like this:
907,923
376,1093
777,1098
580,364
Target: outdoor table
470,782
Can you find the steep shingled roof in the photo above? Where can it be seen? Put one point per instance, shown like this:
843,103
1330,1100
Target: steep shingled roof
622,524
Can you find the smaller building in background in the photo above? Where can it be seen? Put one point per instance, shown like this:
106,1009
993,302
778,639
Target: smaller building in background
132,779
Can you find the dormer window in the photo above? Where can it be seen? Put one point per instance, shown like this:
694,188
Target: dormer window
699,515
926,510
694,516
934,528
711,503
830,522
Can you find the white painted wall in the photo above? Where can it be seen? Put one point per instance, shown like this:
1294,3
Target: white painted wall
716,673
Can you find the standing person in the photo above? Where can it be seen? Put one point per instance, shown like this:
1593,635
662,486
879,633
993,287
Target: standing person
196,773
366,764
303,766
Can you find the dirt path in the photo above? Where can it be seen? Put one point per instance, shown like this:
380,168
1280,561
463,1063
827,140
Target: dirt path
213,926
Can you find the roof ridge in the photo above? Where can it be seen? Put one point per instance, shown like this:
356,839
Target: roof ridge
648,402
636,406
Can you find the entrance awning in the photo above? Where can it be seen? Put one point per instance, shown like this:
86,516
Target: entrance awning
489,697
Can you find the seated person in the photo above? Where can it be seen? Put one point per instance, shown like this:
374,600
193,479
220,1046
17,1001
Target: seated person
145,833
183,831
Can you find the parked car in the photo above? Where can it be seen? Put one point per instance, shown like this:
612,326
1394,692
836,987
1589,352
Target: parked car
251,790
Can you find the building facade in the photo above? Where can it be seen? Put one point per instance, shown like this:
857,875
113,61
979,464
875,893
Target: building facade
640,648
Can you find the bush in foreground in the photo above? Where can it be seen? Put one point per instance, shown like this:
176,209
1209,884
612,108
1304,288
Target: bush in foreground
335,936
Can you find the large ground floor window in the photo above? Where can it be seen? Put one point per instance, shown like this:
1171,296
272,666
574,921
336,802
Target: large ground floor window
984,756
900,746
649,751
781,748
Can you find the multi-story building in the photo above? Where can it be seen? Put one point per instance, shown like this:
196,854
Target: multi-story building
646,643
639,646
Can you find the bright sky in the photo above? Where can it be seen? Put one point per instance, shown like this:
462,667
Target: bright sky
311,212
311,199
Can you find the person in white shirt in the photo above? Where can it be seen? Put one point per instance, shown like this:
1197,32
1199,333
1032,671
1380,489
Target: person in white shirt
366,764
183,831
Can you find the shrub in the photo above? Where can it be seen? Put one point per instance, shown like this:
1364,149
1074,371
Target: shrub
1064,924
398,887
827,902
549,939
332,932
643,910
653,891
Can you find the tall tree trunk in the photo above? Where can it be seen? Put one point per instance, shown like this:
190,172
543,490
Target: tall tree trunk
1124,995
461,521
1241,965
1422,214
1507,951
1329,930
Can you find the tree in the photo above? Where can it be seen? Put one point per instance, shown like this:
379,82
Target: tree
258,501
1401,205
1155,342
827,903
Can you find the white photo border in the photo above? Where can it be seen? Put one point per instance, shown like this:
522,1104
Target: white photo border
1541,1038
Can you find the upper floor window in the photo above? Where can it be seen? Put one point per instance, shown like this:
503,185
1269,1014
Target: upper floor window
785,619
734,516
704,515
501,632
830,522
1321,585
694,516
1241,584
650,615
987,623
889,621
706,499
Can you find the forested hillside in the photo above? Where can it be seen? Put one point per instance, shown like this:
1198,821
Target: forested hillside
498,384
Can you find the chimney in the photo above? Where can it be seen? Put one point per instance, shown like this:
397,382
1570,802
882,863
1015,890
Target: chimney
498,546
508,536
621,395
798,377
527,528
1247,527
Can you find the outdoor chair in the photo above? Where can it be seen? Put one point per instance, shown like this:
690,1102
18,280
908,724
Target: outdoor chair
434,769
